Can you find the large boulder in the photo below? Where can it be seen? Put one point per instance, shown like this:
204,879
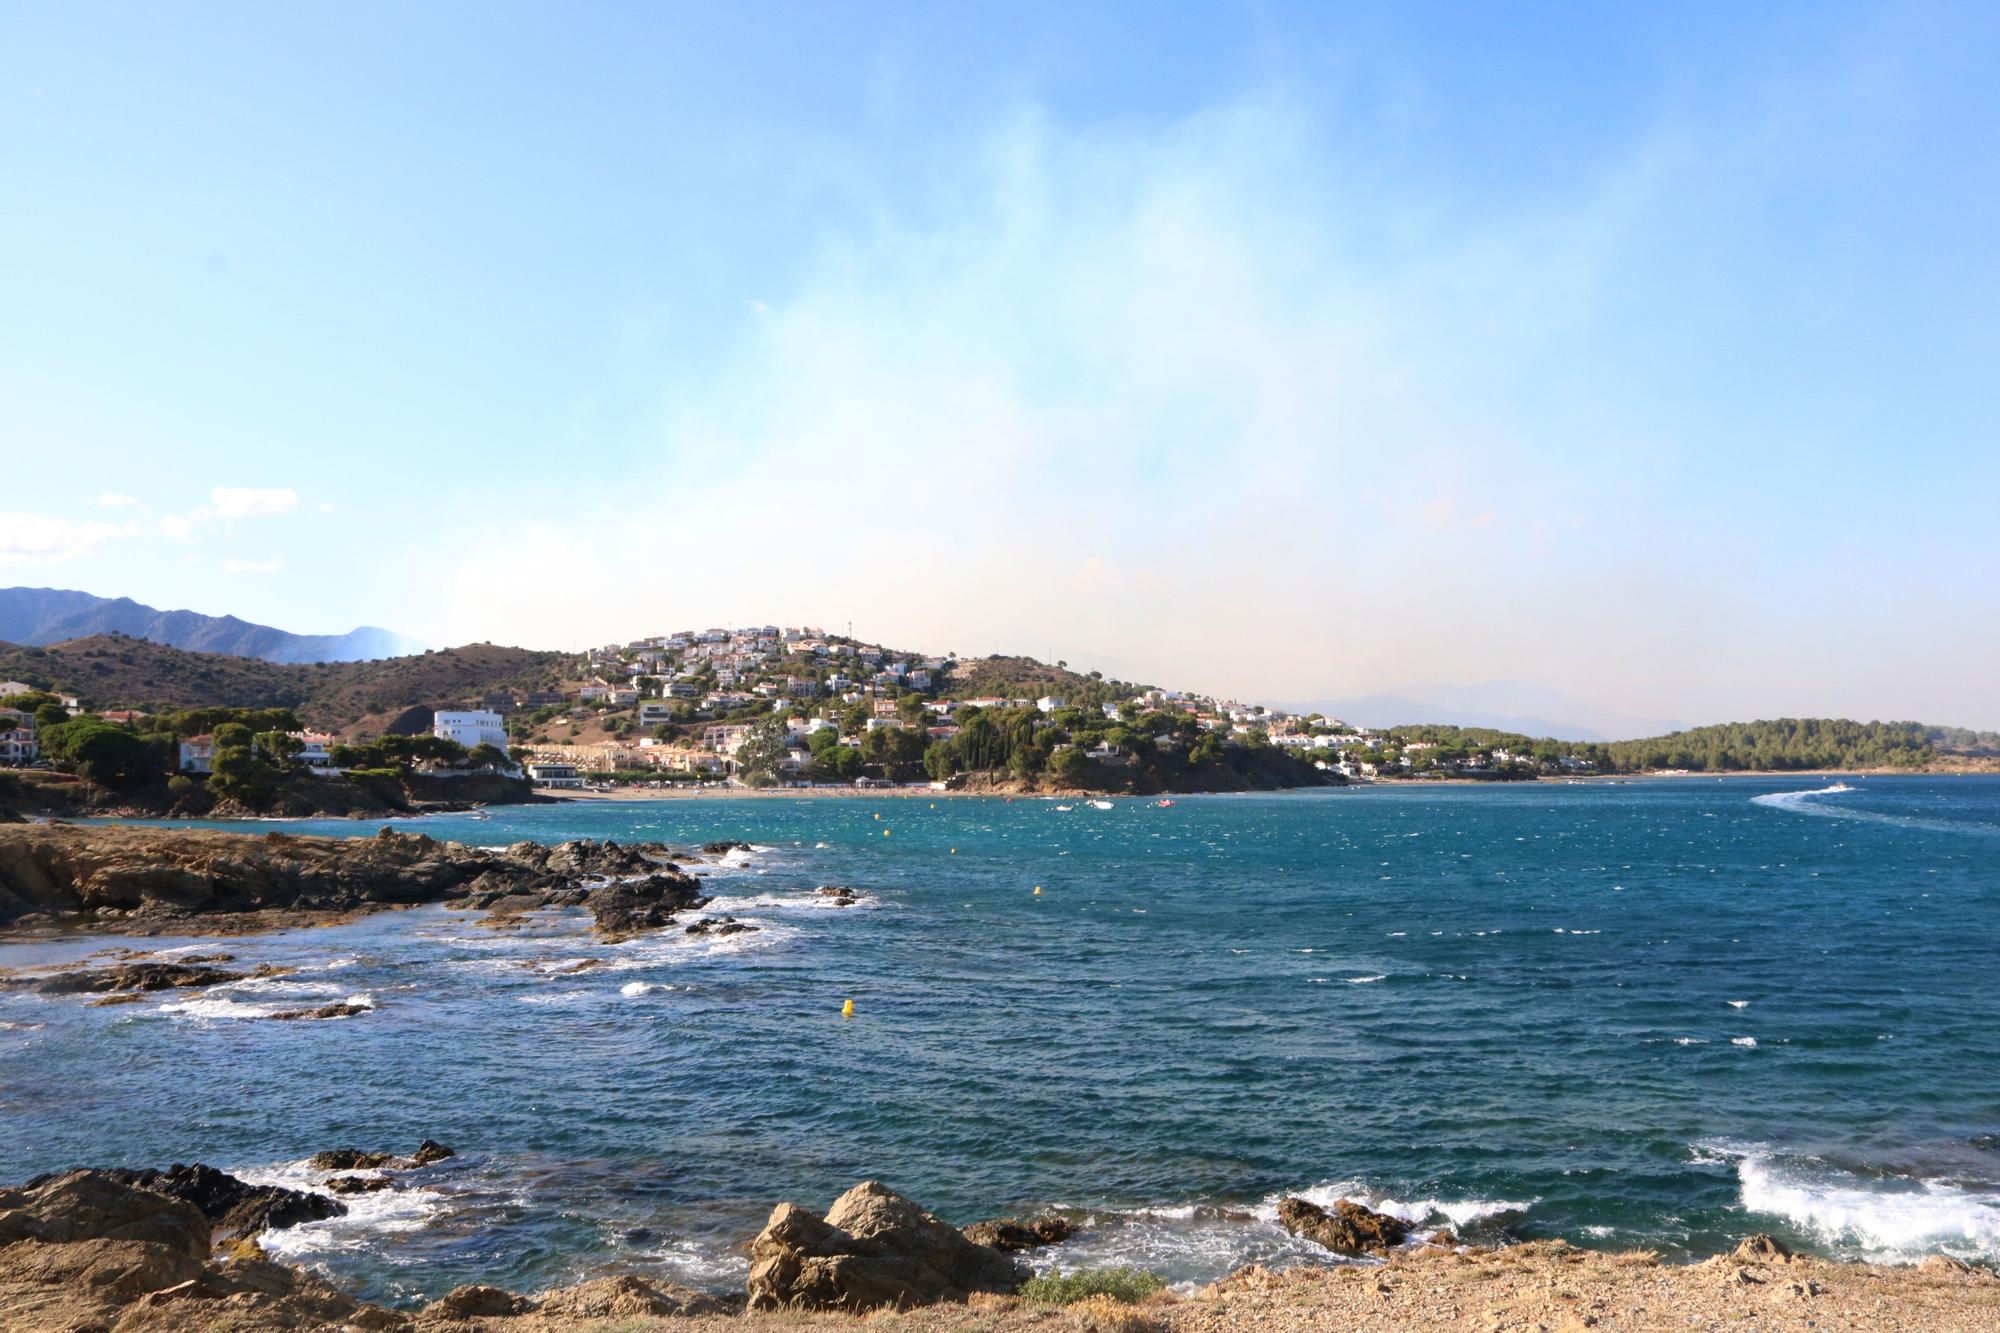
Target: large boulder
1346,1228
874,1248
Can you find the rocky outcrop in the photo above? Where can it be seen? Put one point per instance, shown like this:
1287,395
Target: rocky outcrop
874,1248
1014,1234
1346,1228
151,879
233,1207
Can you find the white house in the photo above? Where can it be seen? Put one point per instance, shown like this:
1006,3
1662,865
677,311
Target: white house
18,746
470,727
544,773
1048,703
198,754
316,750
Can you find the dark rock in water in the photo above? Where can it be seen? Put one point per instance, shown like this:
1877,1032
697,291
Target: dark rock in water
343,1009
356,1159
477,1302
723,848
626,907
137,977
1346,1228
359,1184
232,1206
840,895
430,1150
720,925
348,1159
873,1249
1007,1233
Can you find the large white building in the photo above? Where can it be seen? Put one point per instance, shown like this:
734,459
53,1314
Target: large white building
471,727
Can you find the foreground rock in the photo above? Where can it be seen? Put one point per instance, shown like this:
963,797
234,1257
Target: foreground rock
1551,1287
86,1250
874,1248
1346,1228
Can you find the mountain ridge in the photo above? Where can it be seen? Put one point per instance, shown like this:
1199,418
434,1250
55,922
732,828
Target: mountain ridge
41,616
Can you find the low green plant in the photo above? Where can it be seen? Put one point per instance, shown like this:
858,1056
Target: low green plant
1121,1284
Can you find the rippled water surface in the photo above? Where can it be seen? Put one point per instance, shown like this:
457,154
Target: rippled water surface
1660,1013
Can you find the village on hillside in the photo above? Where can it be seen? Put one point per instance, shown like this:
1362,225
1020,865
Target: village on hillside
685,705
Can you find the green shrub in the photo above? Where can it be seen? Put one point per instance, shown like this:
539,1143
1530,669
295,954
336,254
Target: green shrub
1121,1284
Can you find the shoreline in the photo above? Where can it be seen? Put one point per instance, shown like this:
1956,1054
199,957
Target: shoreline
182,1250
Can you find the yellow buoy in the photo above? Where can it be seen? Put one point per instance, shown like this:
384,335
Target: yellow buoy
1038,890
954,851
847,1008
878,814
885,833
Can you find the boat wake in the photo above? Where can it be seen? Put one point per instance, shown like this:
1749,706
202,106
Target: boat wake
1812,803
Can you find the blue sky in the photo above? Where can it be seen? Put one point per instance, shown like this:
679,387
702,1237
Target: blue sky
1635,358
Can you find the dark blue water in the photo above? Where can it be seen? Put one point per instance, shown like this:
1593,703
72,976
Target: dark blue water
1663,1013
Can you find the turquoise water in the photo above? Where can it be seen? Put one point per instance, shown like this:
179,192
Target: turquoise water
1662,1013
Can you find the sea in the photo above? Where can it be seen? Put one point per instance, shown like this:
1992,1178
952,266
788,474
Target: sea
1657,1014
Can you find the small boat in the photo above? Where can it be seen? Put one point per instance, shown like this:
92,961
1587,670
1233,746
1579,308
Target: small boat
1100,805
1163,803
1065,807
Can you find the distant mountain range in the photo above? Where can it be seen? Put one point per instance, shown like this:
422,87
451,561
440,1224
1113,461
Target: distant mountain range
40,616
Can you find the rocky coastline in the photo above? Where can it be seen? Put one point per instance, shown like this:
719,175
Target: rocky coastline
176,1249
57,877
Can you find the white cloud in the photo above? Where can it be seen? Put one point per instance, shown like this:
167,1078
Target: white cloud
250,502
252,566
113,500
325,506
38,538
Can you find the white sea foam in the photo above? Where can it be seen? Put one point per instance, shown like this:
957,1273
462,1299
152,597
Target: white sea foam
368,1217
1742,1041
1417,1212
643,987
1897,1218
1737,1004
1363,981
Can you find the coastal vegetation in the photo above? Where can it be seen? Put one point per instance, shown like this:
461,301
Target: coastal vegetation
1056,1287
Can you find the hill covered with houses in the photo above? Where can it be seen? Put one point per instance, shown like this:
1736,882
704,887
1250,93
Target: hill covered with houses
767,706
